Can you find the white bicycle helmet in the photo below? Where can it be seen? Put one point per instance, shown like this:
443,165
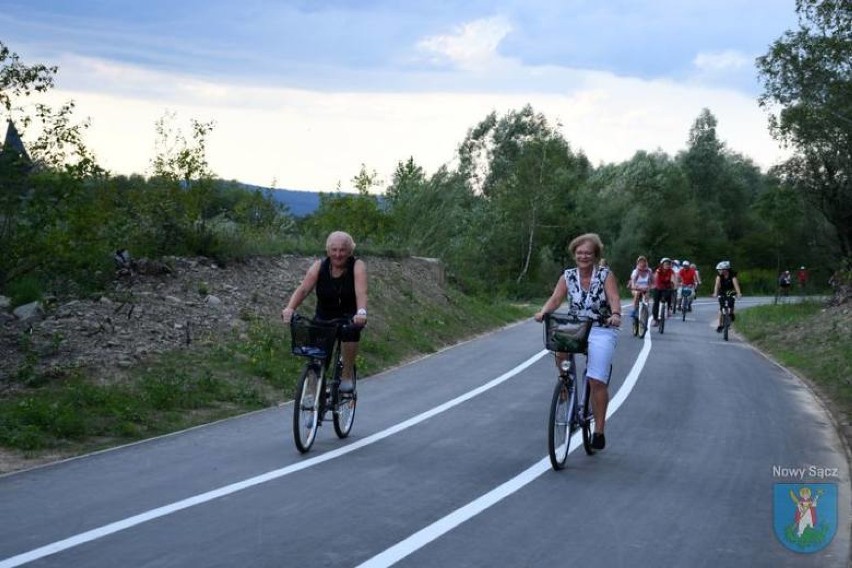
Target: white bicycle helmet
665,259
685,264
724,265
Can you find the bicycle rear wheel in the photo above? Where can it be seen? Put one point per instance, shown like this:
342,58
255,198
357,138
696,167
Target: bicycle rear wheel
306,407
344,412
559,427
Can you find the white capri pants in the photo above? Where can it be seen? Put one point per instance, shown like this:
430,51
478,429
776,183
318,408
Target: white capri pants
602,342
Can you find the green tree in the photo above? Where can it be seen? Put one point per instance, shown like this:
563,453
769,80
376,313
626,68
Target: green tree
178,158
19,80
429,216
359,214
47,226
807,79
527,175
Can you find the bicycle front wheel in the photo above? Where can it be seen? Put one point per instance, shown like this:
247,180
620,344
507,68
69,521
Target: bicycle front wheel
643,320
344,412
306,408
663,313
726,324
559,430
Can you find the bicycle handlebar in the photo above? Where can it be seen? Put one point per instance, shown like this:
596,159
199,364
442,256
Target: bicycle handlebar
601,322
335,321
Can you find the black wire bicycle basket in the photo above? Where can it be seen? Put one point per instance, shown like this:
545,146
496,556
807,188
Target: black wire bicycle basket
311,339
567,333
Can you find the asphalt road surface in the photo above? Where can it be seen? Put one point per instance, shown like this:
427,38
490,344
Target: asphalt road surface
447,466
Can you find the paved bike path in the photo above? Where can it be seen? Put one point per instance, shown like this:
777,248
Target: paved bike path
686,478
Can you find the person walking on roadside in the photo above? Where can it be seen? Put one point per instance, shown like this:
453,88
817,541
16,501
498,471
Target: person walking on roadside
340,281
802,277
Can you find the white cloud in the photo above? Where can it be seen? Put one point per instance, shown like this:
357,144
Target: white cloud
303,139
721,61
471,47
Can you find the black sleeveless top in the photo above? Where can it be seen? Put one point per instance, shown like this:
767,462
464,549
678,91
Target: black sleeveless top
336,296
727,284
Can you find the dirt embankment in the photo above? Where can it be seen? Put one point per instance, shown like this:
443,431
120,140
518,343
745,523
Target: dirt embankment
164,306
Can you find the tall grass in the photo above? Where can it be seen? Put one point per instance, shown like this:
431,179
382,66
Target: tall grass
809,338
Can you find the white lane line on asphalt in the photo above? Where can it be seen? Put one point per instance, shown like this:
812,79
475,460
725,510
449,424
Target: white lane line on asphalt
442,526
165,510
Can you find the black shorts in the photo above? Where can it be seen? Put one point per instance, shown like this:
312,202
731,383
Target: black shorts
664,295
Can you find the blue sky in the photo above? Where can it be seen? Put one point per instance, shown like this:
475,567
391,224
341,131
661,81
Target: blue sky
303,92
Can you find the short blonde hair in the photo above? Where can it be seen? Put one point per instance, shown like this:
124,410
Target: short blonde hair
593,238
340,235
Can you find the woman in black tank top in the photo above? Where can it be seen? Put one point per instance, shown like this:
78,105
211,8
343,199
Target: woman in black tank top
726,285
340,281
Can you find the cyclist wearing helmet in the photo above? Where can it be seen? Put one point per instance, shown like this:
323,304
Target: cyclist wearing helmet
688,279
663,285
726,285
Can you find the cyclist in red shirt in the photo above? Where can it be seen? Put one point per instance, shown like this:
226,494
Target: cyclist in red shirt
663,287
688,279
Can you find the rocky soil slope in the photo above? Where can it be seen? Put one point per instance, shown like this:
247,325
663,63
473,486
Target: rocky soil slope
163,306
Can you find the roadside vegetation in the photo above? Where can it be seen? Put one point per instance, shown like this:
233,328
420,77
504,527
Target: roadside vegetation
499,219
232,376
814,340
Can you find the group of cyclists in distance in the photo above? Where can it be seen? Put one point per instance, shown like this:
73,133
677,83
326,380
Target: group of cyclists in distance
673,280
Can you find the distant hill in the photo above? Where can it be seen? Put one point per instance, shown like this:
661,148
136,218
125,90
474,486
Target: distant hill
300,203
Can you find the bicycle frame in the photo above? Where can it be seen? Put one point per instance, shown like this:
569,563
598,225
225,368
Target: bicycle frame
571,404
318,391
662,302
687,294
328,387
569,412
725,308
640,317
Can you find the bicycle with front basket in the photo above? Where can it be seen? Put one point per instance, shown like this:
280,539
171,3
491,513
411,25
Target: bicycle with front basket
571,406
318,391
686,297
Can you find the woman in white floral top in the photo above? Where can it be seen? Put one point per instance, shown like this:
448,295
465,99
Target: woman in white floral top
591,291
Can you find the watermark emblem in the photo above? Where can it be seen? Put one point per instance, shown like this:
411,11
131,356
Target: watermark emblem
805,515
